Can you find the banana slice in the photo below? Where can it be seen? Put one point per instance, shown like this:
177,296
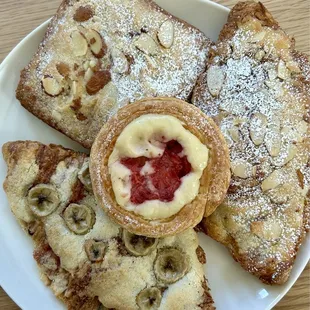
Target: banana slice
43,199
79,218
95,250
149,298
138,245
170,265
84,176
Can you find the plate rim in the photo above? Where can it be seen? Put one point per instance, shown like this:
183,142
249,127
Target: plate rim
3,64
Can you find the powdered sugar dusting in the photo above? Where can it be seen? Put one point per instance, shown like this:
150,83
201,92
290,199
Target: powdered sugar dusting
137,73
261,111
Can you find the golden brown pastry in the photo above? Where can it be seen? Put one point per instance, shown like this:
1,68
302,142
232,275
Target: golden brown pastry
99,55
158,166
86,260
257,88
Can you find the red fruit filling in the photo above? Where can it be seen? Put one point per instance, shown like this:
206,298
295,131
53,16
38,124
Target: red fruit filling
165,179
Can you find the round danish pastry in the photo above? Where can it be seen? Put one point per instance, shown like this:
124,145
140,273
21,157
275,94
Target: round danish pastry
158,166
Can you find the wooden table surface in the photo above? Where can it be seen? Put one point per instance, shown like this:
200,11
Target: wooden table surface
19,17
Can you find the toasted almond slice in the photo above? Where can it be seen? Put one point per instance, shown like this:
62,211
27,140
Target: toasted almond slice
63,69
88,74
51,86
273,143
302,128
260,55
273,137
258,127
242,169
239,121
215,80
146,44
272,74
96,43
285,157
98,80
234,133
120,62
258,37
93,63
274,179
268,230
293,66
83,13
79,43
281,193
166,34
283,72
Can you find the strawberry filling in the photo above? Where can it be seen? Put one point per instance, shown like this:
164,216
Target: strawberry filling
165,179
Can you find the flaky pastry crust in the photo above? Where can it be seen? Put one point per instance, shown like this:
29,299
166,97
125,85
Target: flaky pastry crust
213,183
83,277
261,101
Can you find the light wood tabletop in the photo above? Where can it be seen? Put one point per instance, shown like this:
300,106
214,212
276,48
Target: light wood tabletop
19,17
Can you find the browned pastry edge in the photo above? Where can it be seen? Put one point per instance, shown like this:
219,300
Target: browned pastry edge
241,13
50,155
47,157
27,96
213,183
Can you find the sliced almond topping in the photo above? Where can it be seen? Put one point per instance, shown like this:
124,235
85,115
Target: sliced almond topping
234,133
302,127
268,230
239,120
300,177
83,13
98,80
96,43
146,44
285,157
242,169
215,80
79,43
272,74
258,127
283,72
281,194
63,69
274,179
166,34
51,86
93,63
273,143
293,66
258,37
120,62
260,55
273,137
88,74
271,84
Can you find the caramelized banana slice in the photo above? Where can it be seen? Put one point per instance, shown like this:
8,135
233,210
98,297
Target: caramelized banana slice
170,265
79,218
149,298
138,245
95,250
43,199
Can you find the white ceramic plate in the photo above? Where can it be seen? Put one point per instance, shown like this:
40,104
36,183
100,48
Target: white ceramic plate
232,288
